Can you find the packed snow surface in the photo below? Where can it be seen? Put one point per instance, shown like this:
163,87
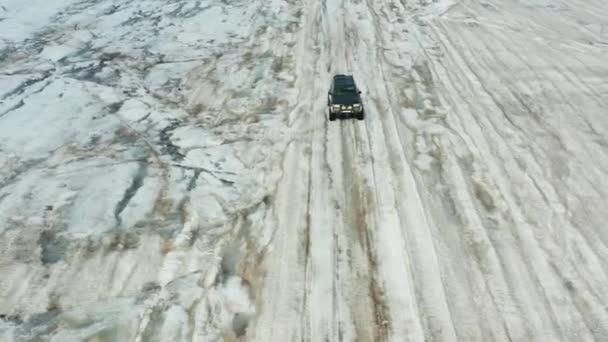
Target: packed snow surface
168,172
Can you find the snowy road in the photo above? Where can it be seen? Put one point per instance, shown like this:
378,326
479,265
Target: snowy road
169,174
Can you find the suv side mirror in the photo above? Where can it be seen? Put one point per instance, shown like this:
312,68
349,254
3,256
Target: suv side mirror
358,91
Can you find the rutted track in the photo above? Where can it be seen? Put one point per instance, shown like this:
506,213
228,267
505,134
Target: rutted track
413,230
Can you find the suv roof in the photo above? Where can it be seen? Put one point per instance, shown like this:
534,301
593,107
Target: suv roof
344,79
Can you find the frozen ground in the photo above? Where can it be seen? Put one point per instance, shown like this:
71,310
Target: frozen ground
168,173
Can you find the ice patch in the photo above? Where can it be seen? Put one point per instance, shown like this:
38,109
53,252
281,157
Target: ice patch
55,52
96,201
141,205
189,137
116,320
10,83
61,113
21,19
7,331
220,160
133,110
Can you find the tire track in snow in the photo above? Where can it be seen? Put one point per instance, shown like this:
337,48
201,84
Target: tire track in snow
534,154
351,314
289,288
358,203
403,316
366,225
573,111
430,295
568,273
519,233
463,72
497,38
548,190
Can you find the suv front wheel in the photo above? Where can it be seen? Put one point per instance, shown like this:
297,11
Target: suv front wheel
332,116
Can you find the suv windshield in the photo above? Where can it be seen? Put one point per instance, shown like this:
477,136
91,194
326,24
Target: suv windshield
345,89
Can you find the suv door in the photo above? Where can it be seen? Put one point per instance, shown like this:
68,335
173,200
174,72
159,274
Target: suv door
329,96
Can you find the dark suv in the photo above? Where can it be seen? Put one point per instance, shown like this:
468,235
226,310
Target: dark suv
344,99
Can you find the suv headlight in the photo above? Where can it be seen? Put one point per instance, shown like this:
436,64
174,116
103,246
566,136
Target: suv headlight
335,107
357,107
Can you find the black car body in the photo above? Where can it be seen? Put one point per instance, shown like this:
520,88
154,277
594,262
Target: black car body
344,99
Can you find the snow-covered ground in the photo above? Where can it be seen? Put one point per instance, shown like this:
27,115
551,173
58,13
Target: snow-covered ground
168,173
